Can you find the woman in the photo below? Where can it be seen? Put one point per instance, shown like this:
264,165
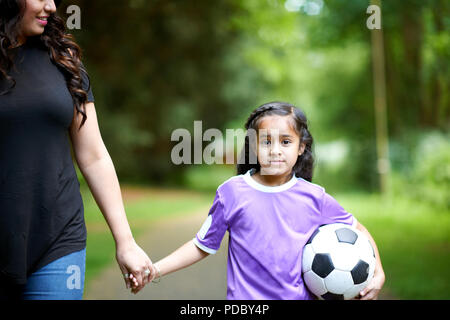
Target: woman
45,102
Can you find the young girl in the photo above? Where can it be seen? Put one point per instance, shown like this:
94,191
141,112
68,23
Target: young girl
270,210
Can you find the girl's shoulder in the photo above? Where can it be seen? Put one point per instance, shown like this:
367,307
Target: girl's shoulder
231,182
312,190
231,190
311,185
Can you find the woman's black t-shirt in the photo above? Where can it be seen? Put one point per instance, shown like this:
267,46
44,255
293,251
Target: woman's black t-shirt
41,210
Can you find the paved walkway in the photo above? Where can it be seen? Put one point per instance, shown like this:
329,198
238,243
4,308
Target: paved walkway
203,281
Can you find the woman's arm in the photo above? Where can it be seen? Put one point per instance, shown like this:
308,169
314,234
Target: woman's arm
97,167
373,289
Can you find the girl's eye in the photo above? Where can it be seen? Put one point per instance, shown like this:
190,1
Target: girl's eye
266,142
286,142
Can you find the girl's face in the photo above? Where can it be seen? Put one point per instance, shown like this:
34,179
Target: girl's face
278,145
35,17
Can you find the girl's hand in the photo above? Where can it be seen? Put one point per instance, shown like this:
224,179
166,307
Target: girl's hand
373,289
135,288
134,261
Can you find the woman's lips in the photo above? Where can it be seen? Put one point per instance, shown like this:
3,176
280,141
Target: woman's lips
42,22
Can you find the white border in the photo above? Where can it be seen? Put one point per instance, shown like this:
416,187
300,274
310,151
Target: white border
203,247
205,227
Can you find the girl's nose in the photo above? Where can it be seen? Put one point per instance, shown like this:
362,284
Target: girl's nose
275,148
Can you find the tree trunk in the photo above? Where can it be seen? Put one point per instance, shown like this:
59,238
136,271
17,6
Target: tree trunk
379,80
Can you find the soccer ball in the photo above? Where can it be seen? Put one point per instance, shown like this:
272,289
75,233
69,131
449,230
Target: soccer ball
338,262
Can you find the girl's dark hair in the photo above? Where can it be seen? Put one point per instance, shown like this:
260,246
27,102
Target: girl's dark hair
305,163
62,49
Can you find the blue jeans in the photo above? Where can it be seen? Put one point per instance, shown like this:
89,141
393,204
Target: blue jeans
62,279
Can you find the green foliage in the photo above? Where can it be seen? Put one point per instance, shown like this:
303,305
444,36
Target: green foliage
432,168
207,177
423,168
416,46
353,170
167,63
156,66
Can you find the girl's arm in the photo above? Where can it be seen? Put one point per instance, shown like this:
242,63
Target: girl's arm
97,167
373,289
183,257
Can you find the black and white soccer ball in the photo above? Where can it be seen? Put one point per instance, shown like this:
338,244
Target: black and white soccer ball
338,262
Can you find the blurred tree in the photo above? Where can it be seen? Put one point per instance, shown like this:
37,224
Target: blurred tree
379,89
317,54
156,66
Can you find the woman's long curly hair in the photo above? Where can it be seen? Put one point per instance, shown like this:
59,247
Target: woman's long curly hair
305,162
62,49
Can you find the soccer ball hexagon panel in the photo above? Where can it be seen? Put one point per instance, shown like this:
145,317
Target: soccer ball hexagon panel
338,262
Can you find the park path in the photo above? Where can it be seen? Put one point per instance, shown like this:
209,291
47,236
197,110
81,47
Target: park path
203,281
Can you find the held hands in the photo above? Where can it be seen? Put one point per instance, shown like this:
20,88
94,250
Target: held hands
136,266
135,288
135,284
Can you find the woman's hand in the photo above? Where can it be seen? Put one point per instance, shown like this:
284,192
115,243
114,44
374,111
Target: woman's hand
134,261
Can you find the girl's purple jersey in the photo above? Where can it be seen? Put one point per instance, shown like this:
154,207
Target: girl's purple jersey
268,228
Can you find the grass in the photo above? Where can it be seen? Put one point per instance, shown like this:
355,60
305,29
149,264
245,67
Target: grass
413,237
